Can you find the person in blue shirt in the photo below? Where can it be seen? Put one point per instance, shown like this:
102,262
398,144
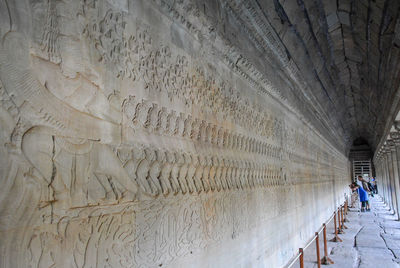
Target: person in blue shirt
363,196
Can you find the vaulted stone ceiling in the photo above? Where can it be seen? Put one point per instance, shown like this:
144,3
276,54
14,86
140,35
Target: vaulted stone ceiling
336,61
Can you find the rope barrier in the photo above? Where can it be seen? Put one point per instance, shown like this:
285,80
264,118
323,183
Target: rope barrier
340,214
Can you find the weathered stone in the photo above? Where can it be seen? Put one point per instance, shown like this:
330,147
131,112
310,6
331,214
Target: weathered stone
180,133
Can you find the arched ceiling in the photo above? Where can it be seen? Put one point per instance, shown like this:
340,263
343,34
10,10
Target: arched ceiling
339,60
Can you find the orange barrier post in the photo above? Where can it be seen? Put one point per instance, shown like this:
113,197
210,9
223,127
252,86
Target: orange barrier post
317,248
342,213
340,231
326,260
301,257
336,238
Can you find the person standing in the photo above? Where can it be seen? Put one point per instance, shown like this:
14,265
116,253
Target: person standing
363,195
363,191
370,187
375,191
354,195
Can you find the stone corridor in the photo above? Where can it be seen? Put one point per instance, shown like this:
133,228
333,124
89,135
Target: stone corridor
371,240
192,133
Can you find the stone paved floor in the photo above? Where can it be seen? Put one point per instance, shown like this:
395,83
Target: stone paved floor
371,240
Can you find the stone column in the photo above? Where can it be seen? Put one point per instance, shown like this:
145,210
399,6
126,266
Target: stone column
396,157
382,180
392,196
390,181
394,184
381,176
387,178
379,173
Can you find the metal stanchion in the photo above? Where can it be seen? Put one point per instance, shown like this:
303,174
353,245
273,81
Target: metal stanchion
342,215
317,248
336,238
339,225
340,230
326,260
301,257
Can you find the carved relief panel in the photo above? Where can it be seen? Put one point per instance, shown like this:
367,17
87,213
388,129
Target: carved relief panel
121,148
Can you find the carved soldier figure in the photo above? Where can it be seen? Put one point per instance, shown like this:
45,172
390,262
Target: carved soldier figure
220,141
240,174
225,138
141,113
211,133
259,174
245,174
246,144
143,172
165,176
276,176
242,179
155,168
171,123
164,173
235,140
251,175
188,127
234,174
207,176
228,178
137,155
198,162
218,173
224,169
180,125
194,135
240,142
204,177
179,171
190,173
129,110
202,136
162,125
152,118
264,175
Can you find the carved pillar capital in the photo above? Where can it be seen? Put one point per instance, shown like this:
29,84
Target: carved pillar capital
379,157
396,125
386,151
390,145
386,147
395,136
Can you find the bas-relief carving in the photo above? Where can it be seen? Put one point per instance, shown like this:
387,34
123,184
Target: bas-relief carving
127,151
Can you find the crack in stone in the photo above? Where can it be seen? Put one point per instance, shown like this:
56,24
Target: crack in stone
381,235
358,257
53,175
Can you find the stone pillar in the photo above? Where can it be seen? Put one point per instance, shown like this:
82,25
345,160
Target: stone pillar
382,182
394,183
385,184
396,157
386,178
390,181
382,179
379,173
390,176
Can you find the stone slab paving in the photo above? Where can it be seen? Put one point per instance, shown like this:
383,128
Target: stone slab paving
371,240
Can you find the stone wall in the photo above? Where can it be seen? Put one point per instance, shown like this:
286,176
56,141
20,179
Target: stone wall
133,135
